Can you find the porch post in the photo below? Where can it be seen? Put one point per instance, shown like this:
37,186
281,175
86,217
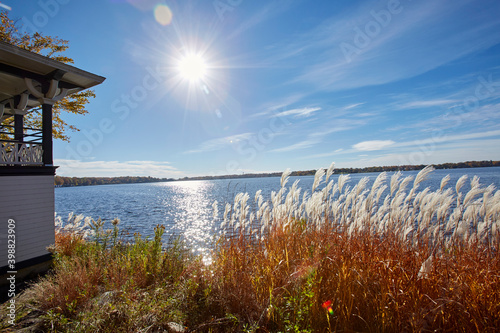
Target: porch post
47,134
19,128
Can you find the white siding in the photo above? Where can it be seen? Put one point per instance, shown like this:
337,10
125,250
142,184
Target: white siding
28,200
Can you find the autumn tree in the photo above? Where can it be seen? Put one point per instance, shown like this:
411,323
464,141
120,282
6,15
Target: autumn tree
51,47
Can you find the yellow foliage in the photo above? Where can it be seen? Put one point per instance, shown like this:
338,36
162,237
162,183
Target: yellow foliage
51,47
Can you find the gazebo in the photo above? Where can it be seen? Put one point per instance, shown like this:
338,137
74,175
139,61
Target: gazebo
29,80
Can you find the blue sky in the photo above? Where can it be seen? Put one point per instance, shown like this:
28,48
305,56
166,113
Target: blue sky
288,84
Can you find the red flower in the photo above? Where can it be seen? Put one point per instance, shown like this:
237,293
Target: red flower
327,304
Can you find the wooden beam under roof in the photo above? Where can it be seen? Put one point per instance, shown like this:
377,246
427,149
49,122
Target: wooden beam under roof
17,64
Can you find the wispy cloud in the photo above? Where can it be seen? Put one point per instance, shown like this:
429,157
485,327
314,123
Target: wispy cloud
448,138
312,139
352,106
303,112
275,107
480,140
473,150
77,168
383,144
267,12
383,57
486,116
426,104
373,145
299,145
299,113
220,143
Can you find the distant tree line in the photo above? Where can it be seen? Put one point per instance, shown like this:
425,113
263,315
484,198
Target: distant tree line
469,164
85,181
244,175
74,181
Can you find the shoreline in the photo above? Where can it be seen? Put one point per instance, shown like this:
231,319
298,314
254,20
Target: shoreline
91,181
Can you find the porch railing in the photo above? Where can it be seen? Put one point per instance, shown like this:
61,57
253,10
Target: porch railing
26,150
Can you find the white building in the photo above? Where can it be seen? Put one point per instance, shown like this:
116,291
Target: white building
29,80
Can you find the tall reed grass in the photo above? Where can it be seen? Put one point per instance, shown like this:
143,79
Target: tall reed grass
390,257
441,218
385,258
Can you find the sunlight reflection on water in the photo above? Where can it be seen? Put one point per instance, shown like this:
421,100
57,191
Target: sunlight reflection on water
189,200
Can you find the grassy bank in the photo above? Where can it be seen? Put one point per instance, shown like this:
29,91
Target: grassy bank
389,258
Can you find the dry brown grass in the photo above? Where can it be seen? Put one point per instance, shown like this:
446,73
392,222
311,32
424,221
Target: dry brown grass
67,242
278,283
339,260
373,283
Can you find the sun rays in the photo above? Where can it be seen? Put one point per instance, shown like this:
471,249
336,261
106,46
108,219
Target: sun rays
192,67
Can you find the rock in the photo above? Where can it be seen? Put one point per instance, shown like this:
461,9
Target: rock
106,298
32,323
175,328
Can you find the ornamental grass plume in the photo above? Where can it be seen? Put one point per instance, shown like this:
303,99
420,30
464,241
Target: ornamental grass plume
389,257
433,216
70,234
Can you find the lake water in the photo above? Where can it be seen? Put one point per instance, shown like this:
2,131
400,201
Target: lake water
185,207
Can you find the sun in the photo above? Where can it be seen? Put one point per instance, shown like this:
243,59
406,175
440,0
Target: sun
192,67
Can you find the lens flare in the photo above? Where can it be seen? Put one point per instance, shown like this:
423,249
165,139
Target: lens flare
163,14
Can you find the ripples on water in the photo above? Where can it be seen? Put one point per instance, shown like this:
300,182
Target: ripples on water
185,207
